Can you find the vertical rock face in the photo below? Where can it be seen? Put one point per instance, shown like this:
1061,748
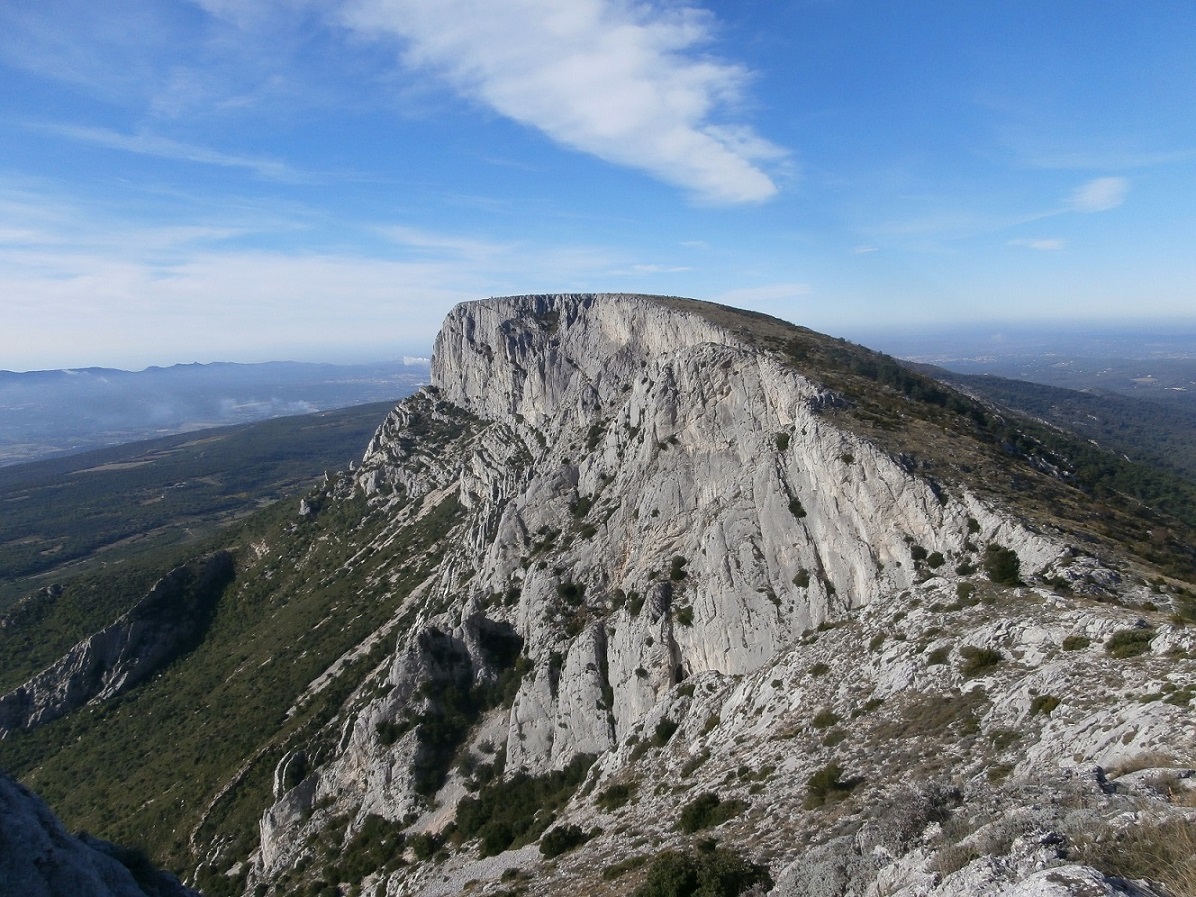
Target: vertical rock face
661,520
664,500
39,858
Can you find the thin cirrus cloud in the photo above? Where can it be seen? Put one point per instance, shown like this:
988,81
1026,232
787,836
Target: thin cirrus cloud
1099,195
165,148
619,81
1041,244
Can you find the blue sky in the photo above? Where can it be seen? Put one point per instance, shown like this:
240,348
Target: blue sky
239,180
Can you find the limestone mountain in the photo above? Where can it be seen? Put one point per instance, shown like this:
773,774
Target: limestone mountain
646,593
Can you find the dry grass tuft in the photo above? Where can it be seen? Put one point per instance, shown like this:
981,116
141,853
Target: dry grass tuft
1162,852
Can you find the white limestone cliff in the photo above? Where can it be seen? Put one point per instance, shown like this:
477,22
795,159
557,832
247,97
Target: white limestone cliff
650,499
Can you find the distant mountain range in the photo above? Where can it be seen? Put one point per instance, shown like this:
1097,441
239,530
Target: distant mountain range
49,413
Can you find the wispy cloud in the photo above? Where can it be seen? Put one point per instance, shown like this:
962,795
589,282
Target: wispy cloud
658,269
1042,244
1099,195
620,81
166,148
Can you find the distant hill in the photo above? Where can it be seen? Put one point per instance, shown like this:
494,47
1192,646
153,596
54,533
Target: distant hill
106,509
49,413
1160,435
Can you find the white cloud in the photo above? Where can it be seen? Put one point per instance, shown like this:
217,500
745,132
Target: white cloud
620,81
1099,195
165,148
864,249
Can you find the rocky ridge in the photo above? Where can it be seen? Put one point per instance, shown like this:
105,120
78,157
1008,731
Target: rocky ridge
168,620
674,562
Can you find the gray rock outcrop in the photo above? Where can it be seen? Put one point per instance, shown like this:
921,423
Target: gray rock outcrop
684,538
39,858
167,621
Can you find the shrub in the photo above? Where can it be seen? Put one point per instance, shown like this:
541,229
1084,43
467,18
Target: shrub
782,441
827,785
802,578
685,616
573,593
796,509
1043,704
978,660
938,656
935,560
833,737
691,765
517,811
1002,565
819,669
616,796
707,810
917,552
824,718
710,872
1164,852
563,838
1129,642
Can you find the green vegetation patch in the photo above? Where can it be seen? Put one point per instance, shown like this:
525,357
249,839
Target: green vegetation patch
1044,704
707,810
616,796
1002,565
169,746
978,661
516,812
828,785
710,871
1129,642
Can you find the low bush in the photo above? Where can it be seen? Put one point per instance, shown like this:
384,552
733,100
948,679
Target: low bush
707,810
1044,704
1076,642
1129,642
824,718
664,731
977,661
1162,851
938,656
516,812
710,872
1002,565
828,785
563,838
616,796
